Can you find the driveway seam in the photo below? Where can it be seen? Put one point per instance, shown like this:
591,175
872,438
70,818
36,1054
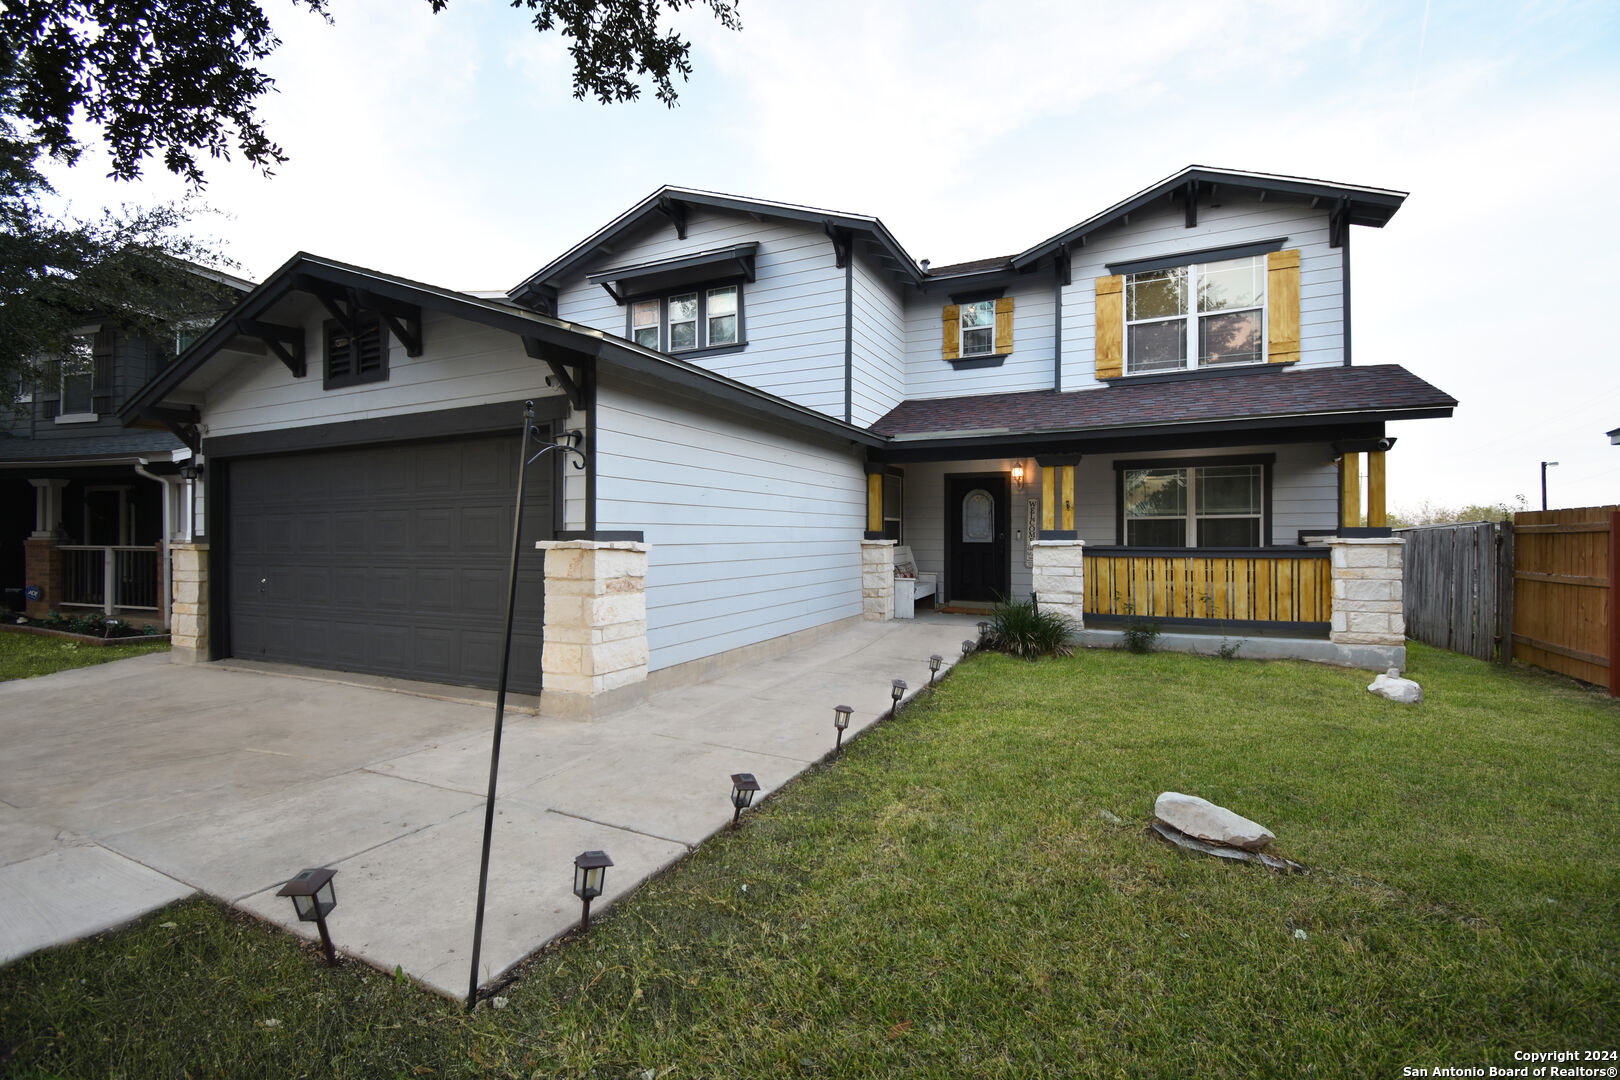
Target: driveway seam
622,828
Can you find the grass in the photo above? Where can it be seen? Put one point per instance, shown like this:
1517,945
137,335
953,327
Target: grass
23,656
968,891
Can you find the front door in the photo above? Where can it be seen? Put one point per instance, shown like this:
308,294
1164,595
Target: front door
976,522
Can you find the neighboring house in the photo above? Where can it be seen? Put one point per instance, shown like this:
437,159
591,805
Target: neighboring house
1614,437
1157,401
88,502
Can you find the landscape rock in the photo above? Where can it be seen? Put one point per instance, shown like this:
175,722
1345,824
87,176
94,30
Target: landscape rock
1392,686
1204,820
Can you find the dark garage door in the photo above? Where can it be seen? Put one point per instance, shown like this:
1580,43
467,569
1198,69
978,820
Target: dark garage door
390,560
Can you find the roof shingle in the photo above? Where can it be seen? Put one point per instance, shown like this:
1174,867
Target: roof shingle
1251,394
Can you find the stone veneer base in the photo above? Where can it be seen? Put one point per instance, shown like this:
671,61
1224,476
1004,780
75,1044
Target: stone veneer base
1379,658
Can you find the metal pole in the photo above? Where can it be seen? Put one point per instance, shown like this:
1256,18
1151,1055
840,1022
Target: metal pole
326,939
500,710
1544,485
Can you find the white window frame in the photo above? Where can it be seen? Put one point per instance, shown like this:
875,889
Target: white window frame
702,331
1192,359
84,337
1190,515
962,313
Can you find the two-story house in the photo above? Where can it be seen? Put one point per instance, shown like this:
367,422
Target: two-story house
1152,412
89,503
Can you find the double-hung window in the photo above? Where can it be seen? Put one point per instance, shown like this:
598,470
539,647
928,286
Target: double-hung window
979,328
1195,505
1196,316
78,378
689,320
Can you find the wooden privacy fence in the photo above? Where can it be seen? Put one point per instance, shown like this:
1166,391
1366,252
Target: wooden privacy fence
1282,586
1566,581
1457,584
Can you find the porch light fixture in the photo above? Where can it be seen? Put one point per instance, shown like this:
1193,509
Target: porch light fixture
590,870
1018,474
840,721
897,690
743,789
933,667
967,647
314,898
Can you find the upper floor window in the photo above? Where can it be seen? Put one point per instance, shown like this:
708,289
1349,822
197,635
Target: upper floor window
1199,315
355,357
689,320
979,328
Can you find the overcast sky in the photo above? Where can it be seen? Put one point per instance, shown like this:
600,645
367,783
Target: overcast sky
448,148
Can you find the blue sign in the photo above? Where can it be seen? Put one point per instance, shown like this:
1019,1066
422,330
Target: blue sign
34,593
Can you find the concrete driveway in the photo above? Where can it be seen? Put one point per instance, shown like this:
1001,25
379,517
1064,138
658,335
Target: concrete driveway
126,786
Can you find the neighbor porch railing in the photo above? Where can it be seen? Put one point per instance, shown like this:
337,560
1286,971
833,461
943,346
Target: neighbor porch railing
110,578
1282,588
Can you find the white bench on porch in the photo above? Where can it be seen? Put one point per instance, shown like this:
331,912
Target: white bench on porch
910,585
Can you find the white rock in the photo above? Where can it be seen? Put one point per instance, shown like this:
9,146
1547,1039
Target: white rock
1392,686
1203,819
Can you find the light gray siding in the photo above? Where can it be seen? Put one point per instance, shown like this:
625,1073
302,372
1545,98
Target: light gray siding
1241,219
753,532
1029,367
878,339
1304,489
924,522
462,364
793,311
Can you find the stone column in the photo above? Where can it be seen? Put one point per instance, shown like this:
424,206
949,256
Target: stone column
1367,596
595,654
42,568
877,580
1059,578
188,615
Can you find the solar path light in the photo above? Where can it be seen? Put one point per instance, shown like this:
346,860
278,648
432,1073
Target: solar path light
840,721
967,647
984,627
590,870
743,789
933,667
897,690
314,898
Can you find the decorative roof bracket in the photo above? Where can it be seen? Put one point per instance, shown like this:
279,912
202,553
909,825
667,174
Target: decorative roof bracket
568,381
675,210
287,342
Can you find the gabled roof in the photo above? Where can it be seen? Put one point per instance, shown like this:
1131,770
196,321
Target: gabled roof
1378,393
670,203
1352,204
570,343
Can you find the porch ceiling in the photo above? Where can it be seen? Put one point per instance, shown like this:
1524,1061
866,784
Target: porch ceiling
1263,398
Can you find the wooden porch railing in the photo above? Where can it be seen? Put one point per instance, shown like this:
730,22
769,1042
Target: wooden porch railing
1248,585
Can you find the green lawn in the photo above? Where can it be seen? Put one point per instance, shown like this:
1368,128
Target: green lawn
952,898
22,656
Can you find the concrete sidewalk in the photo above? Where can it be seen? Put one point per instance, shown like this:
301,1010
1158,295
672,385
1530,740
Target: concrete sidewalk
247,775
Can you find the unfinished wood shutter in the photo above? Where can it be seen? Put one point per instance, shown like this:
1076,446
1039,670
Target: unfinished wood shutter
1110,326
101,379
953,332
1004,342
1282,306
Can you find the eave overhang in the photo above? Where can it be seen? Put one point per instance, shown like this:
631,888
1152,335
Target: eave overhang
622,282
573,347
1349,204
672,203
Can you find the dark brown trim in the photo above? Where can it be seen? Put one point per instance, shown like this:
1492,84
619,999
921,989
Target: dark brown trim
591,399
604,536
216,523
974,296
972,362
1256,628
1058,534
401,427
1367,533
1268,467
1203,255
1136,439
1202,373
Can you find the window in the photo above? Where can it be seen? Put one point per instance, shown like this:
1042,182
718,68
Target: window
355,358
893,492
78,378
1200,505
1213,308
979,328
689,321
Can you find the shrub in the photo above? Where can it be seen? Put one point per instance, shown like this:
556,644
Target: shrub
1021,629
1140,634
